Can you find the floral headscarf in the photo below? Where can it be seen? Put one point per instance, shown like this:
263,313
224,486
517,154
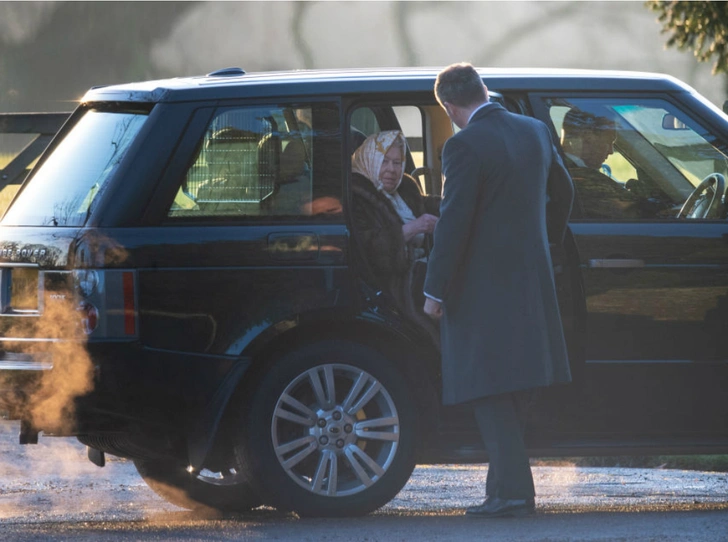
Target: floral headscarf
367,159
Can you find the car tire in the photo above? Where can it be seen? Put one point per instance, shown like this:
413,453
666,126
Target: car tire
324,454
176,485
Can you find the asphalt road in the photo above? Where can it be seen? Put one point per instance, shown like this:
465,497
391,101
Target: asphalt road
51,492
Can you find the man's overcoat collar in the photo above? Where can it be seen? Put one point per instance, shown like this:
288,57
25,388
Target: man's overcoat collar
487,110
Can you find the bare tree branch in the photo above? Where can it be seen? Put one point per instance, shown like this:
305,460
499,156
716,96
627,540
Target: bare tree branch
302,46
401,14
524,31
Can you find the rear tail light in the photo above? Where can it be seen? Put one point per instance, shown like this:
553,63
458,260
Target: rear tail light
129,304
107,302
89,317
86,281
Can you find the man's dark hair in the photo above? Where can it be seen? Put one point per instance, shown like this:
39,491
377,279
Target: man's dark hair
579,120
460,85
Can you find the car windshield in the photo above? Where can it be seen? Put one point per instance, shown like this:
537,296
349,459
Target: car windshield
61,192
685,144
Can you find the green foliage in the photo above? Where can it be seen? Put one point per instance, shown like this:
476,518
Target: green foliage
700,26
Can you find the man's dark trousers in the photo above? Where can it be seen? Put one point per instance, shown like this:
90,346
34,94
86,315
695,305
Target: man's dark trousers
501,422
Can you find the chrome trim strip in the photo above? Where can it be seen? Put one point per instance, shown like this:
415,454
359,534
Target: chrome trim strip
32,340
16,365
616,263
656,361
18,264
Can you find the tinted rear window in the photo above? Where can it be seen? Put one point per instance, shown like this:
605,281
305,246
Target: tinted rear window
61,192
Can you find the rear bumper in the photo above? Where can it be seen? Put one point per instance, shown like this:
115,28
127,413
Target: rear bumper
20,375
110,387
10,362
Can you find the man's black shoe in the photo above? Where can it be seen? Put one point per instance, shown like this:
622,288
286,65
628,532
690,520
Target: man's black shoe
495,507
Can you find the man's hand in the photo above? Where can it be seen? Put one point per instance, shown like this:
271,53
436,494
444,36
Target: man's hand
433,309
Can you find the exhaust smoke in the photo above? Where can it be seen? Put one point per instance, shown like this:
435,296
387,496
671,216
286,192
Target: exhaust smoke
48,396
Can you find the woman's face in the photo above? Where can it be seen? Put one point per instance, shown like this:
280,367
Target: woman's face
391,171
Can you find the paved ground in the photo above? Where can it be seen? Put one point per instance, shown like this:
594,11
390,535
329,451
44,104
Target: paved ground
50,491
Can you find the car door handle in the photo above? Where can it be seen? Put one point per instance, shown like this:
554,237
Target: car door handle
288,246
616,263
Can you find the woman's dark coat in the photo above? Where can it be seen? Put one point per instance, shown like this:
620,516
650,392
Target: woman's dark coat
490,263
378,232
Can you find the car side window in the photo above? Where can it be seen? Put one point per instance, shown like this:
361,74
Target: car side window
265,161
632,159
409,118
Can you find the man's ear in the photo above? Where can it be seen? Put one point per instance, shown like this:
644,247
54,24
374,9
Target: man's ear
451,110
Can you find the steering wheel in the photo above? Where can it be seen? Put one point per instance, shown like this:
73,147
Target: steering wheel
706,201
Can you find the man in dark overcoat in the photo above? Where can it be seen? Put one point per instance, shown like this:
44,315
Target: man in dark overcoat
490,276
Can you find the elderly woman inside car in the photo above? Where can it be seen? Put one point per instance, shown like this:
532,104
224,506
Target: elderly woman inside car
392,219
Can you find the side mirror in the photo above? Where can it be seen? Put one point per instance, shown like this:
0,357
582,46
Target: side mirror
671,122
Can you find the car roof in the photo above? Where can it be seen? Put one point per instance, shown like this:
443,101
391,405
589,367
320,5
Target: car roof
235,83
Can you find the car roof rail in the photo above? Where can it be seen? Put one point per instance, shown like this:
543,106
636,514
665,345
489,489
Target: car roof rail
227,72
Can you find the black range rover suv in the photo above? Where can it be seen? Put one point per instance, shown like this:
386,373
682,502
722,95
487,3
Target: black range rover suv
181,284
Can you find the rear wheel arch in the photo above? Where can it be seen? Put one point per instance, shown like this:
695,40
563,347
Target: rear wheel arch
410,355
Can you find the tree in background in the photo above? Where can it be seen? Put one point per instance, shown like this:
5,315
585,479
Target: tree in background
700,26
76,45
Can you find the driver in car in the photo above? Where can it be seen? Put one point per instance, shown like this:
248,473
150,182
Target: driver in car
587,138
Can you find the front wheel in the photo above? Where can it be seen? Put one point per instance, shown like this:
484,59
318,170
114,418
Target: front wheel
331,431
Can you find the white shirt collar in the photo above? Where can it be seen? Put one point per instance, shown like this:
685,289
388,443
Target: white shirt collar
576,159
